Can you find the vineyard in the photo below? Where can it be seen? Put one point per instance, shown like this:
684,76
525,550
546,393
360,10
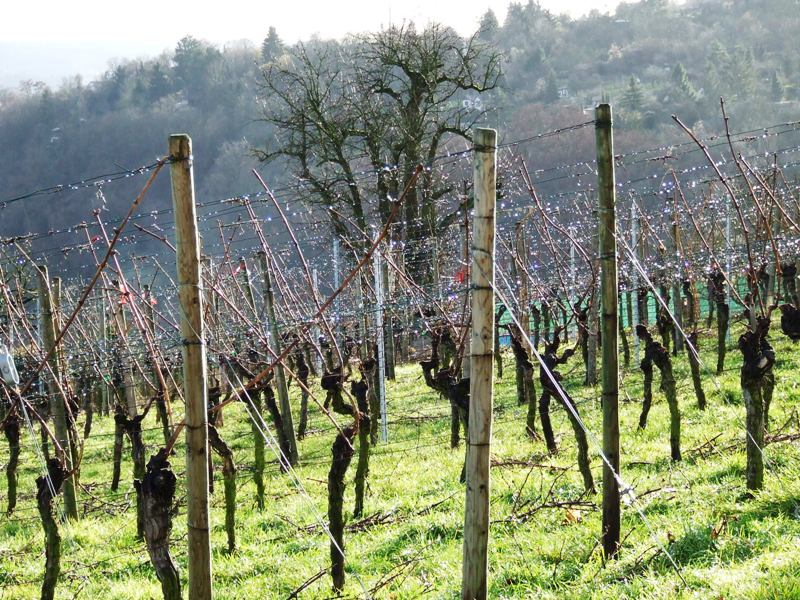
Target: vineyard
586,388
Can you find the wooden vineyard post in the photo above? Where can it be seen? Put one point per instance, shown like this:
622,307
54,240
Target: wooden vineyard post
315,329
731,276
195,392
57,401
378,268
593,327
634,280
337,314
465,364
162,398
677,302
280,374
476,514
609,294
522,254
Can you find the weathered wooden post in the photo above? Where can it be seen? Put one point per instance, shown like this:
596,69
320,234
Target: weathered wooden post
280,374
336,304
521,249
728,258
677,302
592,317
377,265
465,258
606,185
634,280
476,516
315,329
57,402
195,392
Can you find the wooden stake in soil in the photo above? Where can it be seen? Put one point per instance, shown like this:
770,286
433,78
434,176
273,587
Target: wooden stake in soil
479,436
381,366
280,375
194,365
677,304
609,293
57,401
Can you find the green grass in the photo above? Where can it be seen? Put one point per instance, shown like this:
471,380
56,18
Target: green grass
725,545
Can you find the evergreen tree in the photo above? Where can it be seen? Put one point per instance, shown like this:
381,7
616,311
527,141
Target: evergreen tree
158,83
680,78
550,92
489,25
777,86
633,99
716,67
272,46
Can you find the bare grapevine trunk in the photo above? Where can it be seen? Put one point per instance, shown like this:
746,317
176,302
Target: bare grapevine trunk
157,490
342,451
119,436
360,390
11,431
229,482
46,490
694,365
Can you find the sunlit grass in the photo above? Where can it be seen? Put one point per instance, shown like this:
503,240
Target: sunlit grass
724,544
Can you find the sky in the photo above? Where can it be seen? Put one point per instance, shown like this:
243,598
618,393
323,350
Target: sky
49,40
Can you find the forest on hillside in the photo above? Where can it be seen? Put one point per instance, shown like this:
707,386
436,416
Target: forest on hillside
651,58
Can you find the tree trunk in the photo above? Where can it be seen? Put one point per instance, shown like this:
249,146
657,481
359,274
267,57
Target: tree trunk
583,446
133,427
119,438
498,358
641,305
767,389
754,405
694,364
277,419
342,451
544,417
11,431
229,482
668,385
258,449
723,313
626,350
373,399
157,491
361,390
647,370
52,538
530,395
163,415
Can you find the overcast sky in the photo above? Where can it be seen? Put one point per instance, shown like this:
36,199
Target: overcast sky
50,39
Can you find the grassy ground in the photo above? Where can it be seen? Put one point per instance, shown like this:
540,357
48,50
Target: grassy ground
544,536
